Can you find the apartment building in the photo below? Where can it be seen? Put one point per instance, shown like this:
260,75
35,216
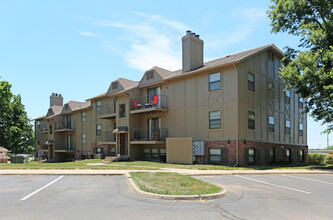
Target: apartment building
235,109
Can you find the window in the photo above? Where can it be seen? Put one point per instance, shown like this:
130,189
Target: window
287,127
300,102
163,155
38,141
84,138
250,82
271,89
150,74
98,130
98,106
301,156
270,123
218,155
146,154
83,116
215,119
122,111
38,124
214,81
114,85
251,155
300,130
50,129
287,96
270,155
287,155
154,154
251,120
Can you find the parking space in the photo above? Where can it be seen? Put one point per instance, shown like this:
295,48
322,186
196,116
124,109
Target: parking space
105,197
277,196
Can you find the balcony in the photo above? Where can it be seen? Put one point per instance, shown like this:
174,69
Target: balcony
44,147
106,138
107,111
64,148
148,104
64,126
43,127
148,136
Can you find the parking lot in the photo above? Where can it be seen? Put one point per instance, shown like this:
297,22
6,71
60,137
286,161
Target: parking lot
109,197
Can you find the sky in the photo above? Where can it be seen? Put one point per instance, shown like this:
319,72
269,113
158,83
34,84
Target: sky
77,48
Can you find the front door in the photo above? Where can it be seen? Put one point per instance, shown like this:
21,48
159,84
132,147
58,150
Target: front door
122,144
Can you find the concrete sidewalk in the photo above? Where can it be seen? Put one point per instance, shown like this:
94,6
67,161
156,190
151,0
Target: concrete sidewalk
181,171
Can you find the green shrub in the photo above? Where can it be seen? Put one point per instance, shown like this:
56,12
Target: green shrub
329,159
316,158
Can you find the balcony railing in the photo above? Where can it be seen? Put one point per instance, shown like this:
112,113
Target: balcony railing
107,136
67,146
44,147
61,125
43,127
107,109
146,134
145,102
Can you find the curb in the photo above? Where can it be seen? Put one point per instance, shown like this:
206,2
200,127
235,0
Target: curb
138,191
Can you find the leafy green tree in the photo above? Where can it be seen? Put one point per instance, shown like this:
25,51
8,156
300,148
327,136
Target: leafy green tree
16,132
309,71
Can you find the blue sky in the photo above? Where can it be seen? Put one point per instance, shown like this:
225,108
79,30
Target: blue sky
77,48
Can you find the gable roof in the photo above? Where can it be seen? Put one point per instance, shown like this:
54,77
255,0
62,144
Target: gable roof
235,58
97,97
41,117
125,84
54,110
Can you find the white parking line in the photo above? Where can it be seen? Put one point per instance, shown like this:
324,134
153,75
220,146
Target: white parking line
40,189
302,178
271,184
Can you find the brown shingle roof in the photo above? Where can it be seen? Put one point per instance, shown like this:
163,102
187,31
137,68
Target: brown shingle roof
41,117
83,105
126,83
162,72
96,97
228,59
57,109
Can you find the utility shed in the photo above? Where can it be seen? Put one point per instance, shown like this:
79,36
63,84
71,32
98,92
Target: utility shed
179,150
3,155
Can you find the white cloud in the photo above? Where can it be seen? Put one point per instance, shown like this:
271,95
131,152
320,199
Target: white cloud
152,41
249,20
88,34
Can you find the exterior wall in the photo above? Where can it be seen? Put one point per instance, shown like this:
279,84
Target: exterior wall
265,71
261,146
190,102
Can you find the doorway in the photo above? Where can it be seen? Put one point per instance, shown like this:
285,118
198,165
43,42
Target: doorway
122,144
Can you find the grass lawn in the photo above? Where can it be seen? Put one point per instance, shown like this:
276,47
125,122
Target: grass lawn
70,165
145,165
172,184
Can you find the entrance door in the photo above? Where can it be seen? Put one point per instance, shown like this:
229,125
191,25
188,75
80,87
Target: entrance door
122,144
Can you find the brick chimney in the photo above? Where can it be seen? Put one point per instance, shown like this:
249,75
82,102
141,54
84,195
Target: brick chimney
56,99
192,51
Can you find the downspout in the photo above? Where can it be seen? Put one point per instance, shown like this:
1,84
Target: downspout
236,164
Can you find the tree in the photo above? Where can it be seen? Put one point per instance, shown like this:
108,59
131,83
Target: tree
309,72
16,132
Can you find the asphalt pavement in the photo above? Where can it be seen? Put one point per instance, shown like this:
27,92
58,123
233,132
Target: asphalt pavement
109,197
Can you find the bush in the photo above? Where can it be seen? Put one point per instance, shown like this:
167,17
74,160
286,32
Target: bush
329,159
316,158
